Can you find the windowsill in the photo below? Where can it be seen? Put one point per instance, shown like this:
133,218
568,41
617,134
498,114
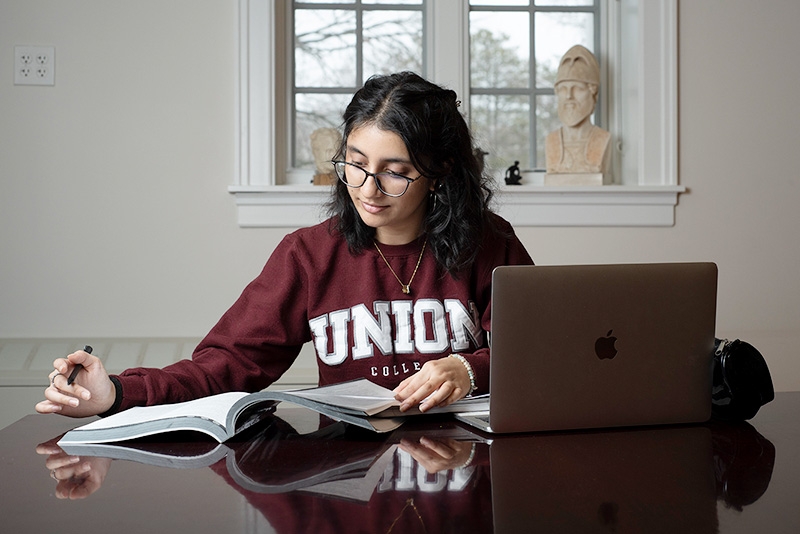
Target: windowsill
525,205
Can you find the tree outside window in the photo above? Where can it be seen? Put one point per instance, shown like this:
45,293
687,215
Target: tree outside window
336,48
515,47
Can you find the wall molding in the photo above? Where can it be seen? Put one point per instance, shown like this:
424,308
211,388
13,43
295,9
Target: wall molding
28,361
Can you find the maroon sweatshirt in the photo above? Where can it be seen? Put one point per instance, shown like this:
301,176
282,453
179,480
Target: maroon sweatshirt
353,309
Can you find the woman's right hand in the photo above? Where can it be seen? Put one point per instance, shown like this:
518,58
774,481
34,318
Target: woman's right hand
439,454
91,393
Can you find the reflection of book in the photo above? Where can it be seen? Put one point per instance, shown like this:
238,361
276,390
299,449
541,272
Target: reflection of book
336,460
359,487
183,455
331,461
359,402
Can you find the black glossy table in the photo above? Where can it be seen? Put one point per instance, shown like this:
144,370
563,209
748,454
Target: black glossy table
299,472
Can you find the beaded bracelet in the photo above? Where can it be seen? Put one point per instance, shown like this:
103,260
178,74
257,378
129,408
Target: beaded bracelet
471,457
470,372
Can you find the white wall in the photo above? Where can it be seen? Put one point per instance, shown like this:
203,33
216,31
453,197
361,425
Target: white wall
114,215
115,219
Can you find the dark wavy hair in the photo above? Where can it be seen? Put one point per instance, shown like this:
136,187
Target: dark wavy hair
426,117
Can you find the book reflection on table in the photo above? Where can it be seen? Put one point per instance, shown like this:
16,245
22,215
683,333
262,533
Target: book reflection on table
335,459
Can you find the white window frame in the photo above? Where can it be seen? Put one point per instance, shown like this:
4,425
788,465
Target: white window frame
646,196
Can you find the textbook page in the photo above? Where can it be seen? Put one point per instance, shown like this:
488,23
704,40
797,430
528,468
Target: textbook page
361,395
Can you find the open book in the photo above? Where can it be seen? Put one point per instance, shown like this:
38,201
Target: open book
359,402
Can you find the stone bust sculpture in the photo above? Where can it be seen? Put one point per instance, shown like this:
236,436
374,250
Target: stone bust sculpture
324,143
578,146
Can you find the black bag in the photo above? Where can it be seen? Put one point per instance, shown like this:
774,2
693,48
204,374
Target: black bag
742,383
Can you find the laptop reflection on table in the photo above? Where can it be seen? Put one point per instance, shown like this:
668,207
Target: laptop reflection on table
646,480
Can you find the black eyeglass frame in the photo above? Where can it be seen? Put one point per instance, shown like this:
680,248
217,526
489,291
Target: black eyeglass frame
375,176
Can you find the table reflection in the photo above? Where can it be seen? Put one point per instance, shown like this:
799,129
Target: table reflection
437,476
355,477
640,480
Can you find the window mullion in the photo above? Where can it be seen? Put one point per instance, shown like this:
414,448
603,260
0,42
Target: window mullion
359,45
448,46
533,102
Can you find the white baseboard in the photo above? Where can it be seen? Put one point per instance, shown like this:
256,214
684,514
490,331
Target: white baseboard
27,362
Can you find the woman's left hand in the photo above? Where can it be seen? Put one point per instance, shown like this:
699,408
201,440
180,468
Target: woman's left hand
438,383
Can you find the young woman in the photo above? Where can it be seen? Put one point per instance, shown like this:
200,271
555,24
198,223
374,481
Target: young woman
395,287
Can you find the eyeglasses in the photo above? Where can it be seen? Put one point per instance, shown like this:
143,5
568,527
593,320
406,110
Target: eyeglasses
389,183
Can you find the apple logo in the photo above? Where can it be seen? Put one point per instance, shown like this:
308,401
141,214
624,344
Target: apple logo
604,346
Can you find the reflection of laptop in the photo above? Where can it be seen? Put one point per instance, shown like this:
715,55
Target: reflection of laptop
657,479
587,346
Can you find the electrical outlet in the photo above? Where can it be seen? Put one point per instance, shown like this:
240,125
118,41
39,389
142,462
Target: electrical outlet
34,65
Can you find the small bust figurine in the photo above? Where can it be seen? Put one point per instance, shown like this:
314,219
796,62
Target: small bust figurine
578,146
513,175
324,143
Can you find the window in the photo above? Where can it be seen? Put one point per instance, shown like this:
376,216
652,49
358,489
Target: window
515,49
336,46
638,43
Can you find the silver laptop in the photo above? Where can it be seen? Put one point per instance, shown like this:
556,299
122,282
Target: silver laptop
591,346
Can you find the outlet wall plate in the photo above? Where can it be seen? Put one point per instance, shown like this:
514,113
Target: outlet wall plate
34,65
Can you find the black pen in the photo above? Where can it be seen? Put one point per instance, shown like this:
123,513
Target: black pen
74,374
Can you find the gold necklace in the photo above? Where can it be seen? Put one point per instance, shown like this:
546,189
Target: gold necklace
409,502
406,287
